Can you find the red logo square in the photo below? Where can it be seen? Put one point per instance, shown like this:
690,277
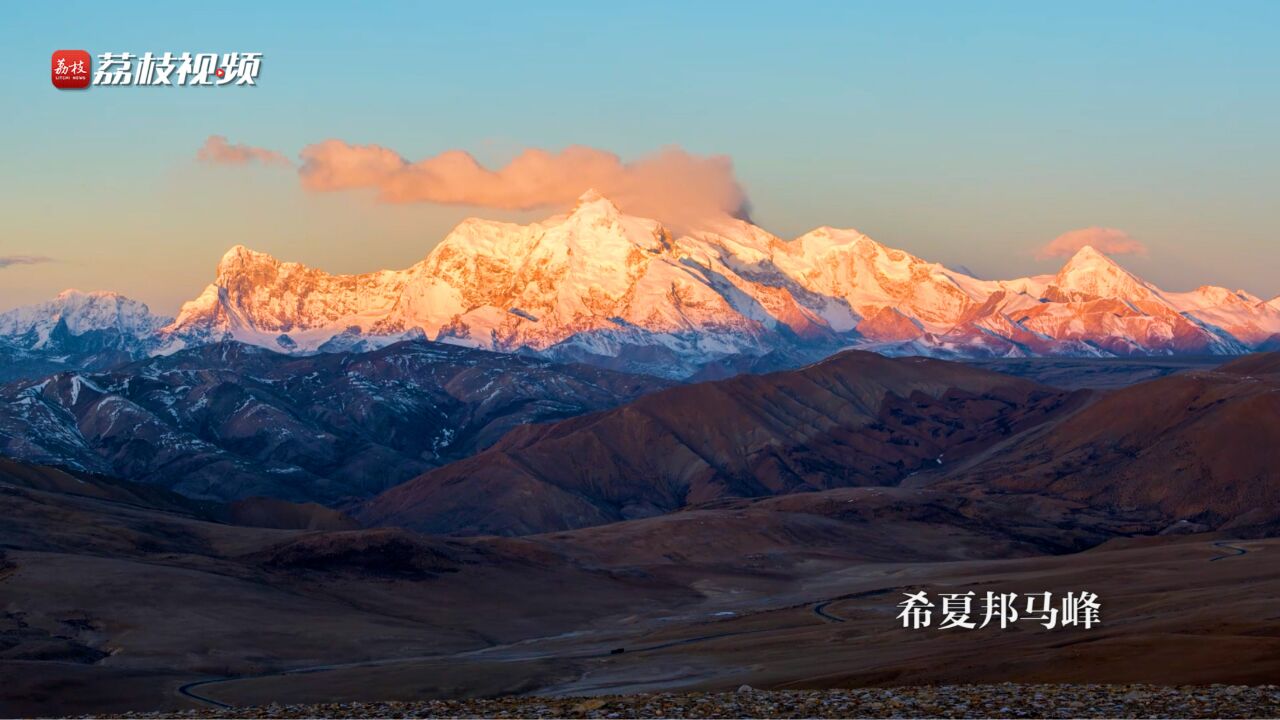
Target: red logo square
71,69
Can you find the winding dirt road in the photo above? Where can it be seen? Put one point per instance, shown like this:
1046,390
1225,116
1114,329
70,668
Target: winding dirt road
1226,545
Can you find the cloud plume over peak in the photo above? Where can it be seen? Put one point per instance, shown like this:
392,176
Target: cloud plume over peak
218,151
671,184
7,260
1105,240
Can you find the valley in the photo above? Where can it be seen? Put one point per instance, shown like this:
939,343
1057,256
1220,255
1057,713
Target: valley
115,602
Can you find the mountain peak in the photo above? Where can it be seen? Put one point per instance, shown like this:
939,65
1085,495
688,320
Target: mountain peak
80,295
1220,295
828,236
236,252
1088,252
1091,274
592,202
1087,260
240,257
591,195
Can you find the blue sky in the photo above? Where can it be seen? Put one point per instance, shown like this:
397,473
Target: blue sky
969,133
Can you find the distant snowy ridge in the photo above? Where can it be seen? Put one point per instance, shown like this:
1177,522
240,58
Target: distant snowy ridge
73,314
83,311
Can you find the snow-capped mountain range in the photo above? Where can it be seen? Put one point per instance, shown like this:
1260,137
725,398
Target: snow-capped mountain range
595,284
74,313
75,330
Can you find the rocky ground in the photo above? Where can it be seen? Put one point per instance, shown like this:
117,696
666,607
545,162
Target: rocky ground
959,701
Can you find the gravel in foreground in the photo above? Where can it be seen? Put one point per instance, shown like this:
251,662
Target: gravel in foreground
959,701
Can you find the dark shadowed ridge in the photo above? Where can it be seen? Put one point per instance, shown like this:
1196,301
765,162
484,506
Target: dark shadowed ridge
229,421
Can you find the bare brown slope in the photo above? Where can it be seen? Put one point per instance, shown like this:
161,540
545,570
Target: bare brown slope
250,512
59,480
1203,447
855,419
1267,363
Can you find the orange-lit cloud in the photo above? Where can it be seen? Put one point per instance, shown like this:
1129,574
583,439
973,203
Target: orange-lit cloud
217,150
671,185
7,260
1105,240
